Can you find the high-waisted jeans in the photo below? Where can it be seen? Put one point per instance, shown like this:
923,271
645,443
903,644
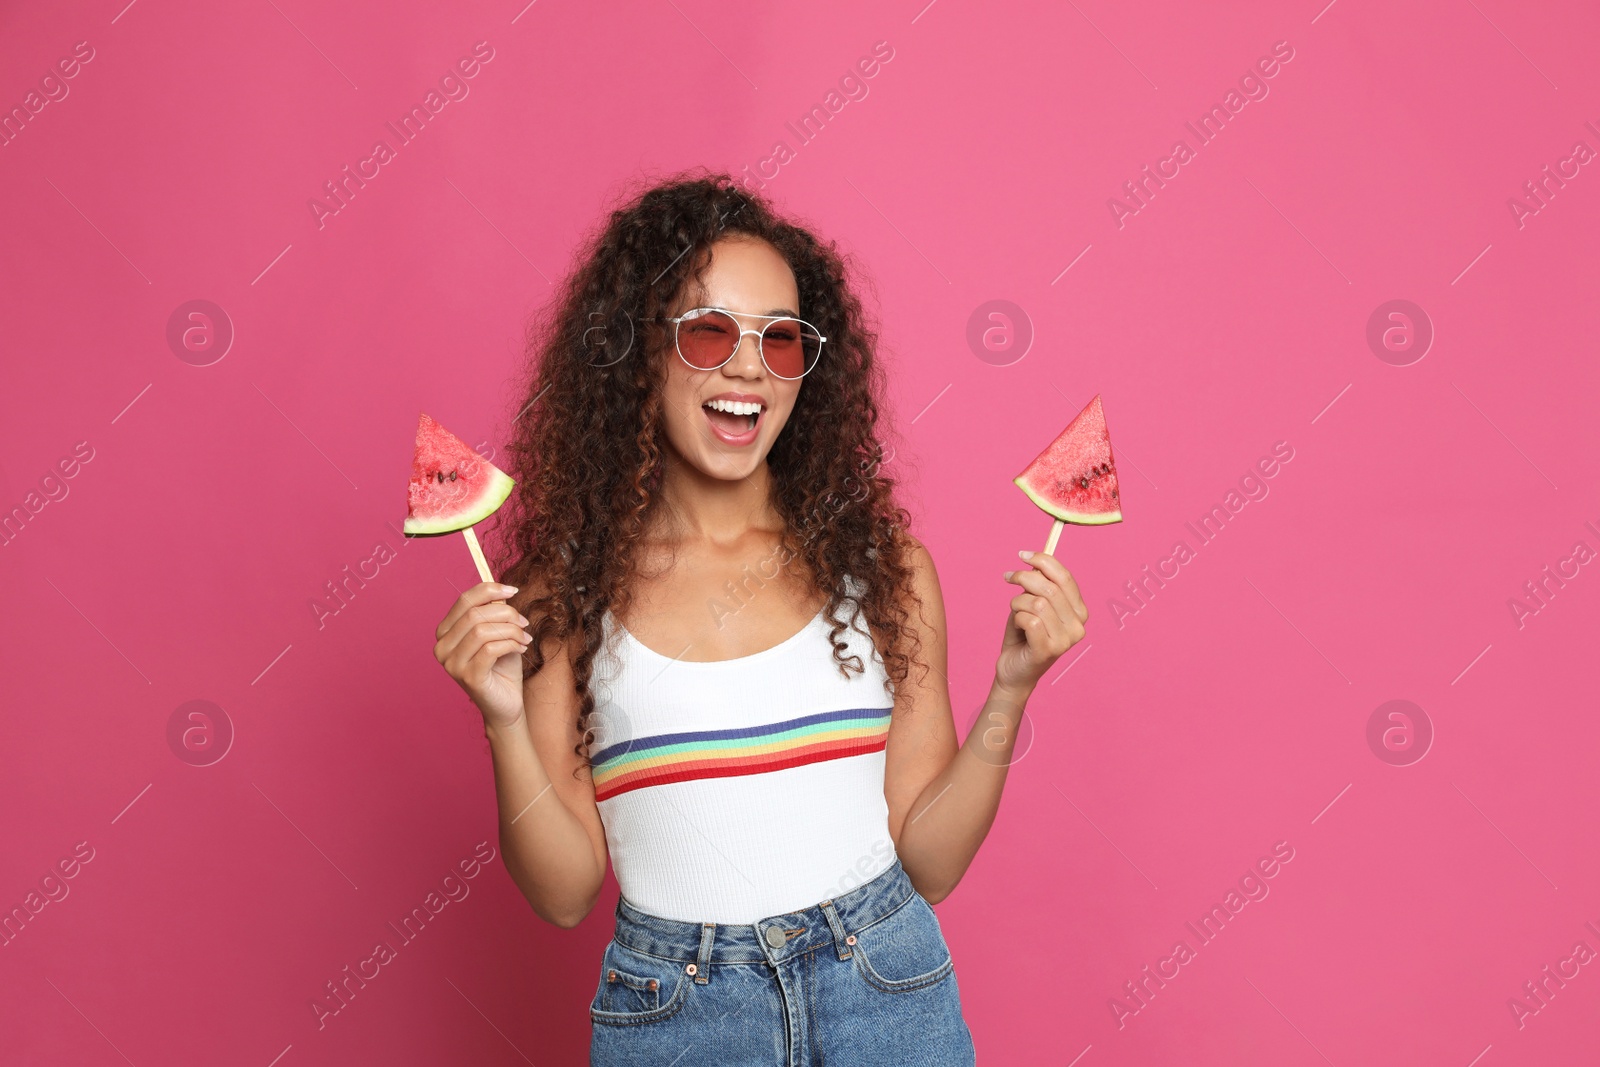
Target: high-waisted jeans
863,978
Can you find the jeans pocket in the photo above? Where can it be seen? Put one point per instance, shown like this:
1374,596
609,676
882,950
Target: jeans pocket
636,989
905,950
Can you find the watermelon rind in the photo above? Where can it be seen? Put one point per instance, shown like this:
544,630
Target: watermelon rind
493,495
1081,518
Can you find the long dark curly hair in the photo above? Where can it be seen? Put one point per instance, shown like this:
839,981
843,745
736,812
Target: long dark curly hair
588,441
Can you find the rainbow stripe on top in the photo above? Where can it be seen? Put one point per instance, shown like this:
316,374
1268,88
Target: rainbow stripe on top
696,754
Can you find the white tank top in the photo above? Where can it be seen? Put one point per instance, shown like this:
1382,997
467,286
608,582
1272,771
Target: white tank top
739,789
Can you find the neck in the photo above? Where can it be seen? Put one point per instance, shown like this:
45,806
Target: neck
699,507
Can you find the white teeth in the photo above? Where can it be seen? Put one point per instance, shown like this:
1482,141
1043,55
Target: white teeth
734,407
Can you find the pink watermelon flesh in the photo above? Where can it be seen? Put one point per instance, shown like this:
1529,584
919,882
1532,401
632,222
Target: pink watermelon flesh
452,487
1075,479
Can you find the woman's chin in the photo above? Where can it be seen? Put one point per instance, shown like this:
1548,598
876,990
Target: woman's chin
714,461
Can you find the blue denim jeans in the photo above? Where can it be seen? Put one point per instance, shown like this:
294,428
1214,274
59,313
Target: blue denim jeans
863,978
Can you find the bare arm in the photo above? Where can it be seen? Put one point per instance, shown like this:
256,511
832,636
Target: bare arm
551,835
943,798
550,830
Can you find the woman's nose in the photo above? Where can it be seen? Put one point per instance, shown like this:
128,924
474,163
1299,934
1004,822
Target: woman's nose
746,359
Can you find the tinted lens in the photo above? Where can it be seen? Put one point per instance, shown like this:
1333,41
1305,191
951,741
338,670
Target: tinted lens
790,347
707,340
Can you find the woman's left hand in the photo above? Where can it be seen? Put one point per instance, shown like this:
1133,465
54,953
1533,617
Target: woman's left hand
1046,619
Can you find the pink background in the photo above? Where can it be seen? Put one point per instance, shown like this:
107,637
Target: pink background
1166,756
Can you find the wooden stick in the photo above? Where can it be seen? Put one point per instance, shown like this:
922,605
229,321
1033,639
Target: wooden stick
477,554
1050,545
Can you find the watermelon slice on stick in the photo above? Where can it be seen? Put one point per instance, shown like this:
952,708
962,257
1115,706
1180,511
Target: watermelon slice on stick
1075,478
452,488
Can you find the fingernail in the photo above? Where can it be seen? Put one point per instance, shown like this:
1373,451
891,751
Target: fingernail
1025,554
508,590
1008,574
521,621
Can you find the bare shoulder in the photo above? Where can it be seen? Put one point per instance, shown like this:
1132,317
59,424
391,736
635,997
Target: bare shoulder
924,625
550,693
924,581
922,737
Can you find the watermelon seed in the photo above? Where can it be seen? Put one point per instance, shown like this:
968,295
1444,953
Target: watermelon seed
1083,483
452,476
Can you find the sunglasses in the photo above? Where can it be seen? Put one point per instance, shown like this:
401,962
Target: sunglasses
706,338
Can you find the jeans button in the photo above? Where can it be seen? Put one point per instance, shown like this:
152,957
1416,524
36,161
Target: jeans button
776,936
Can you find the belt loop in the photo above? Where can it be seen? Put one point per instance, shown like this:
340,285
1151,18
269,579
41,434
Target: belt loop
708,932
841,940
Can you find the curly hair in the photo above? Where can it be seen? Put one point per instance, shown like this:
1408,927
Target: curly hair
588,442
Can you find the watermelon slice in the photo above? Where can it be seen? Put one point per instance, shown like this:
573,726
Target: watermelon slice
1075,479
452,487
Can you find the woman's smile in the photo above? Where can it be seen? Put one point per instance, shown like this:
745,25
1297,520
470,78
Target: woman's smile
735,418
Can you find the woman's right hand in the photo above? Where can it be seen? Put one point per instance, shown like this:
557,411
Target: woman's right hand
480,644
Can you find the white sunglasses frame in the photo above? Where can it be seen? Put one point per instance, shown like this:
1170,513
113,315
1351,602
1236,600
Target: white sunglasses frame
760,352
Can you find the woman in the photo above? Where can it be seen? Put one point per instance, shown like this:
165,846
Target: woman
726,687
